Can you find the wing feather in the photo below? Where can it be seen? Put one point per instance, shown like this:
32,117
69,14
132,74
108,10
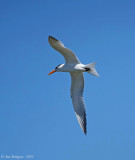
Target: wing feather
77,85
69,56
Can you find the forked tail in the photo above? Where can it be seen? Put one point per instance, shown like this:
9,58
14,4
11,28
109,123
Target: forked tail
92,69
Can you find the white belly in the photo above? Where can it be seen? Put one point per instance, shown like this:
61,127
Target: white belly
73,68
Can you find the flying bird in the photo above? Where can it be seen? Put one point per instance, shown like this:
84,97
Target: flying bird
76,69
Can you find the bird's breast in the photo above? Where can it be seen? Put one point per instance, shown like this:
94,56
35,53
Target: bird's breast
73,68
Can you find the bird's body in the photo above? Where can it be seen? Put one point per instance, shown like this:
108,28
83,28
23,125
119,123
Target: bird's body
69,67
76,69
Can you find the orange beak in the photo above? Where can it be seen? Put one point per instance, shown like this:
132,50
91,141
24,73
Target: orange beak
52,72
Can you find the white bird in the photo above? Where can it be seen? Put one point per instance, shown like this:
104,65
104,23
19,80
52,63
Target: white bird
76,69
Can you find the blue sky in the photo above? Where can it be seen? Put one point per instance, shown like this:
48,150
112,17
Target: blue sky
36,113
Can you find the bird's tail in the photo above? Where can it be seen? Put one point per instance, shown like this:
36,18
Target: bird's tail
91,69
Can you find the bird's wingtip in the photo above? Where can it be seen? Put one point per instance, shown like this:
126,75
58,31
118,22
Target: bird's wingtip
85,132
51,37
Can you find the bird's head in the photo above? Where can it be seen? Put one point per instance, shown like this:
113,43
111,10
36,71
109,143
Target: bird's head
57,69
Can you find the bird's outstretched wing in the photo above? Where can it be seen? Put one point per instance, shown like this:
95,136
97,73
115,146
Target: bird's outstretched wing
77,85
69,56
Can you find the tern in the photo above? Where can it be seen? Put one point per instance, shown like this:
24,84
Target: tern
76,69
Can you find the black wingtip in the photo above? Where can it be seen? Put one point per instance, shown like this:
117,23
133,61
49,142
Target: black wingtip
51,37
85,131
85,124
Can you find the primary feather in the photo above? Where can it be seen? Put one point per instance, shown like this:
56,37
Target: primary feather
77,85
69,56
